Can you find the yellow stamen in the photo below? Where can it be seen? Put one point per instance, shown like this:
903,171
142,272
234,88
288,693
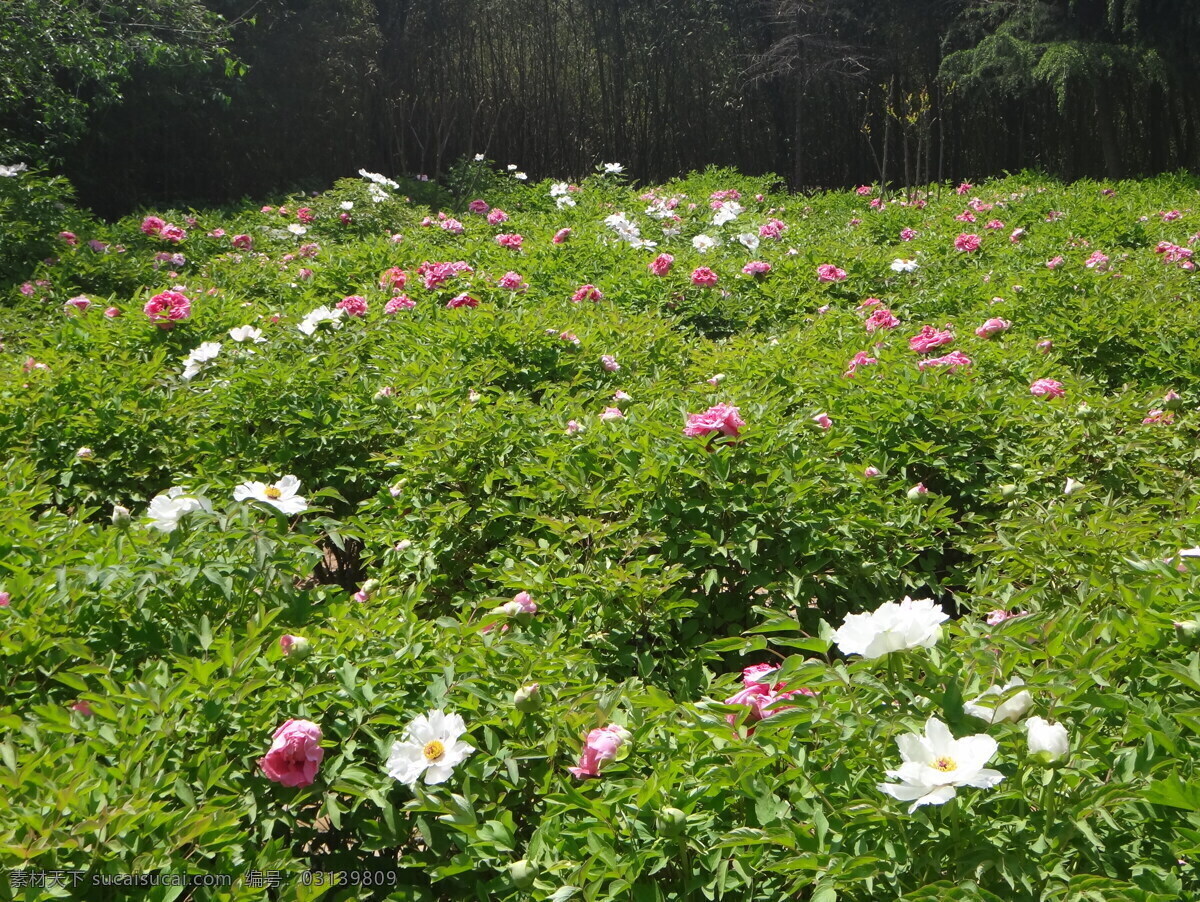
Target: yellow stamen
272,492
434,750
945,764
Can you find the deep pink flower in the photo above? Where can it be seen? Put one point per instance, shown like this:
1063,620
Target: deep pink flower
305,215
168,307
601,746
951,361
722,419
398,303
1045,346
1054,216
704,277
1159,417
871,472
434,275
354,305
569,337
295,754
908,234
478,206
152,225
859,359
967,243
587,292
451,225
5,599
510,241
883,318
661,265
82,707
112,312
1097,261
497,216
172,233
964,188
561,236
98,246
1047,388
993,326
242,242
69,238
761,695
774,228
930,338
756,268
80,303
461,300
822,420
864,190
827,272
965,216
994,224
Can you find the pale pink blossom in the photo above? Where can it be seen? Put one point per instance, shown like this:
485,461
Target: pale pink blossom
112,312
1159,418
512,281
994,225
600,747
497,216
451,225
823,420
295,754
561,236
1047,388
721,418
612,413
393,279
573,426
80,303
859,359
951,361
1016,235
773,228
992,327
964,188
1055,262
609,362
1097,261
756,268
965,216
871,472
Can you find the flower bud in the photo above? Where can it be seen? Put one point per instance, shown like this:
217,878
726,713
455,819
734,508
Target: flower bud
85,454
1172,401
917,492
1188,633
523,873
1072,486
528,698
1048,742
671,822
295,647
371,586
1008,490
120,516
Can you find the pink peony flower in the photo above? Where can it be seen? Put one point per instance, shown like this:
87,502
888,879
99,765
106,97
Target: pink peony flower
994,224
951,361
305,215
522,603
661,265
1159,418
242,242
965,216
908,234
172,233
1054,216
478,206
112,312
510,241
401,301
612,413
822,420
992,327
1054,263
98,246
511,281
354,305
859,359
451,225
461,300
964,188
152,225
295,754
561,236
1016,236
167,308
870,472
80,303
704,277
497,216
601,746
998,616
573,426
609,362
569,337
774,228
881,319
967,243
761,695
721,419
756,268
82,707
1047,388
69,238
309,250
587,292
864,190
393,279
1097,261
5,599
930,338
827,272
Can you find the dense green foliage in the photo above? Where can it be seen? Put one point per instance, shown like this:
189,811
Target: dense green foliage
141,673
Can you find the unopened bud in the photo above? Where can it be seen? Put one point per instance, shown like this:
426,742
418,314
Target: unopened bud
1188,633
120,516
1008,490
85,454
528,698
523,873
295,647
671,822
917,492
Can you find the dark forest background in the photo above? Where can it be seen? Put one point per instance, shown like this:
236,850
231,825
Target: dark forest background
206,101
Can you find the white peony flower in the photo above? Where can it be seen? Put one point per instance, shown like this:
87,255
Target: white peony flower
430,746
281,496
296,229
704,243
564,202
749,240
347,205
377,178
13,170
1047,741
166,510
321,315
520,176
902,265
891,627
936,763
727,212
1013,708
200,358
479,158
613,168
1072,486
247,333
